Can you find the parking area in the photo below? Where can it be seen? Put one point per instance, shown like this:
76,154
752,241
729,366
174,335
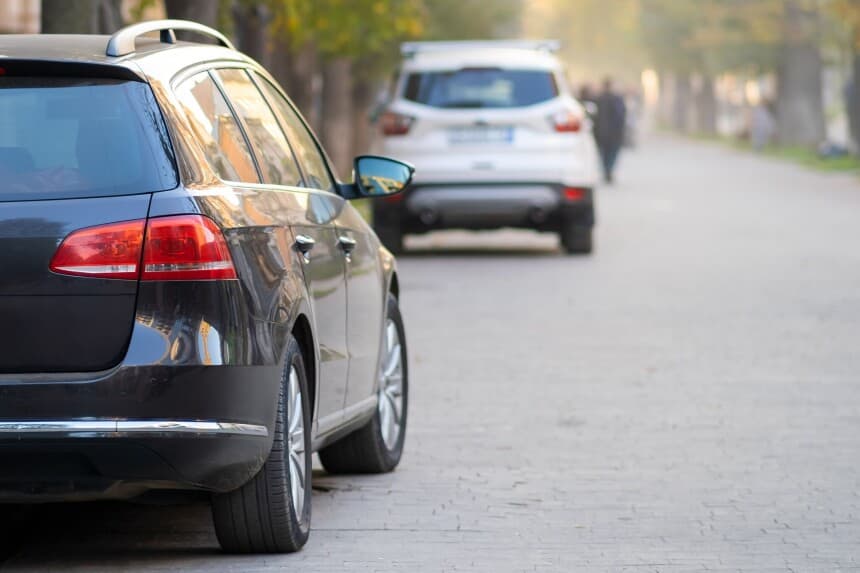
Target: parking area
685,399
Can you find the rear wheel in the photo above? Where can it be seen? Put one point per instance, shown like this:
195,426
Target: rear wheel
378,446
272,512
576,239
391,236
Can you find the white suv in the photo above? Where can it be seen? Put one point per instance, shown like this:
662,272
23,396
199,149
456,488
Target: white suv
497,139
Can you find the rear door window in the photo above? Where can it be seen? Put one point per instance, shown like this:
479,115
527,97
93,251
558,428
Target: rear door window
271,148
217,129
79,137
471,88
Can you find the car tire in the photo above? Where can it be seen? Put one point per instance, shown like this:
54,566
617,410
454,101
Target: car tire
392,237
577,239
378,446
272,512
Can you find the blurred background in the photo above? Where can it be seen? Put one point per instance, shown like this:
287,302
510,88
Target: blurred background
778,76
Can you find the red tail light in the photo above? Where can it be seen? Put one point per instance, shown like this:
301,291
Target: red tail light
574,193
109,251
176,248
566,122
395,124
185,248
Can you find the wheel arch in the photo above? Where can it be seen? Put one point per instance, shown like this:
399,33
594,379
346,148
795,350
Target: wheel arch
394,285
303,333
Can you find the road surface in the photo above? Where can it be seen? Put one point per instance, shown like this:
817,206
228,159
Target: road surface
686,399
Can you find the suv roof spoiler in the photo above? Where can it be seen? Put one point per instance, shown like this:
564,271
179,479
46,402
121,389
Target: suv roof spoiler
410,49
122,42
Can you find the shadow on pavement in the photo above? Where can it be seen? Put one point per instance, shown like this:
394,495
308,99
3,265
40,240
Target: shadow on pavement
110,536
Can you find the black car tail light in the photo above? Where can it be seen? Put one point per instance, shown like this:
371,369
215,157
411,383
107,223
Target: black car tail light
175,248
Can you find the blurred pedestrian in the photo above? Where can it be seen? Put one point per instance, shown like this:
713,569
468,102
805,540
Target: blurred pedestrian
762,126
609,127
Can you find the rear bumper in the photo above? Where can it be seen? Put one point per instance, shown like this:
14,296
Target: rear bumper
135,429
192,404
78,460
540,206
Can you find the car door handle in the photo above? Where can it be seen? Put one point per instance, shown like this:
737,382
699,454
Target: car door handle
304,244
347,243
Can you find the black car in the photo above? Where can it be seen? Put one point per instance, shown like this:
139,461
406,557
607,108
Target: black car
188,299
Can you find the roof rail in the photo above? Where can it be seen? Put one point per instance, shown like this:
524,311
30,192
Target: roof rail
122,42
409,49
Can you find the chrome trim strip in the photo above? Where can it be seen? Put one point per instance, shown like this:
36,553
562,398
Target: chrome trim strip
117,428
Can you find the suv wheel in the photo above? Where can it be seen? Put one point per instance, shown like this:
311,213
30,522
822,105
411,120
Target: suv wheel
576,239
378,446
272,512
391,236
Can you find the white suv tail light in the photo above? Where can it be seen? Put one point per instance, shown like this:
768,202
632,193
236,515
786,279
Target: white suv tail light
395,124
566,121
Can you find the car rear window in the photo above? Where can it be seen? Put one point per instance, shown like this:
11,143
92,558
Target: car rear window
480,88
78,137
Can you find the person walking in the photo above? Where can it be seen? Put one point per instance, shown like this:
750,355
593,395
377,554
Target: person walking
609,127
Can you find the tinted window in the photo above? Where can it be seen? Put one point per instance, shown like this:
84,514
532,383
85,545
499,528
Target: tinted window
273,153
75,137
316,172
216,129
481,88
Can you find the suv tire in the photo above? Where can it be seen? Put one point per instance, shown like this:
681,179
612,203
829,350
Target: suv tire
577,239
392,237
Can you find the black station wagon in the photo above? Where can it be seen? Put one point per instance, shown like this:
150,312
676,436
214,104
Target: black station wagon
188,301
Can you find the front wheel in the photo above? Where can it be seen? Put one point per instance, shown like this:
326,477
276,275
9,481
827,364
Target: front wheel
378,446
272,512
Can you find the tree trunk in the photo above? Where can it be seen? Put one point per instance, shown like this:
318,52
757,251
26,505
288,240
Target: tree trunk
295,70
70,16
853,103
706,107
682,103
363,100
800,107
109,16
252,30
337,112
203,11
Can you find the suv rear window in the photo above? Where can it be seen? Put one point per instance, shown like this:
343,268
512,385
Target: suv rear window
78,137
480,88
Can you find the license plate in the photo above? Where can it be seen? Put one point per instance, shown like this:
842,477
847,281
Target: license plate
467,135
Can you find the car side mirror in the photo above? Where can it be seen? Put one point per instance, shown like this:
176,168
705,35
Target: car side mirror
377,176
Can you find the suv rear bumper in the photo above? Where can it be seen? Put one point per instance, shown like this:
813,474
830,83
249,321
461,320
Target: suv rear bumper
540,206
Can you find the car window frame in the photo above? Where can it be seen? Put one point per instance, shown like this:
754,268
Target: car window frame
194,71
261,75
247,70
